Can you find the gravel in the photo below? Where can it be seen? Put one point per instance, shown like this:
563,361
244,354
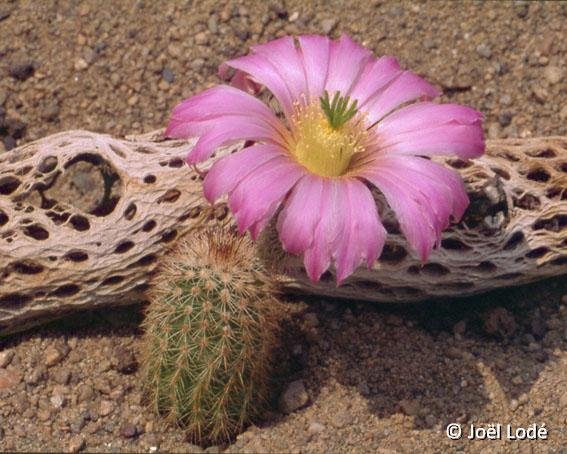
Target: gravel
364,378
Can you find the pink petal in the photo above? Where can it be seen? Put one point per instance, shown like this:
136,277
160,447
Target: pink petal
447,179
227,172
328,233
283,55
426,115
315,51
463,140
219,101
364,234
301,214
226,130
347,61
406,87
417,220
376,76
256,197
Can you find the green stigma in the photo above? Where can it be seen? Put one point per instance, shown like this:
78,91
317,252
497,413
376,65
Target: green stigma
339,110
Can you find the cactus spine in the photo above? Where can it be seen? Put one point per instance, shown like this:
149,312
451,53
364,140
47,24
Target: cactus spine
210,331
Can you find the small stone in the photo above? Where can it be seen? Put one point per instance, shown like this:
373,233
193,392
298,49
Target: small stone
563,401
21,70
429,44
311,319
514,404
394,320
53,356
202,39
505,118
540,94
484,50
553,74
76,444
81,64
9,379
328,25
294,397
125,360
499,321
430,421
315,428
128,430
341,419
62,376
86,393
58,401
106,407
35,376
197,64
6,358
363,388
50,112
213,24
460,327
167,75
9,143
409,407
174,50
517,380
3,97
133,100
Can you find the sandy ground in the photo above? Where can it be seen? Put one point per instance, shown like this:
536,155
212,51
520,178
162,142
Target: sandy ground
380,378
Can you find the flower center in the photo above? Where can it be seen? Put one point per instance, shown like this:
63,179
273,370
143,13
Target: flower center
324,140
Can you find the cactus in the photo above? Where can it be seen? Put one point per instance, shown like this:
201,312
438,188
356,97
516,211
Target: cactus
210,331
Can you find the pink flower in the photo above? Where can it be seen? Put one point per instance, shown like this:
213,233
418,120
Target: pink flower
350,120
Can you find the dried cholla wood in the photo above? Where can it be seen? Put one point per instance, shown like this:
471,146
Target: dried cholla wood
84,218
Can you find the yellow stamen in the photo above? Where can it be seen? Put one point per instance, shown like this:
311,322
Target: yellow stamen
320,148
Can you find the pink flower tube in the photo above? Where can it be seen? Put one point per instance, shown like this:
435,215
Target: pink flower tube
351,120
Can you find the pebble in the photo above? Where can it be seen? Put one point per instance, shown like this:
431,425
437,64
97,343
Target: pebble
505,118
484,50
213,24
35,376
133,100
328,25
58,401
311,319
553,74
50,112
53,356
128,430
62,376
167,75
21,70
394,320
6,358
563,400
76,444
125,360
197,64
105,408
81,64
201,39
409,407
540,93
3,96
9,143
315,428
294,397
514,404
341,419
8,379
499,321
